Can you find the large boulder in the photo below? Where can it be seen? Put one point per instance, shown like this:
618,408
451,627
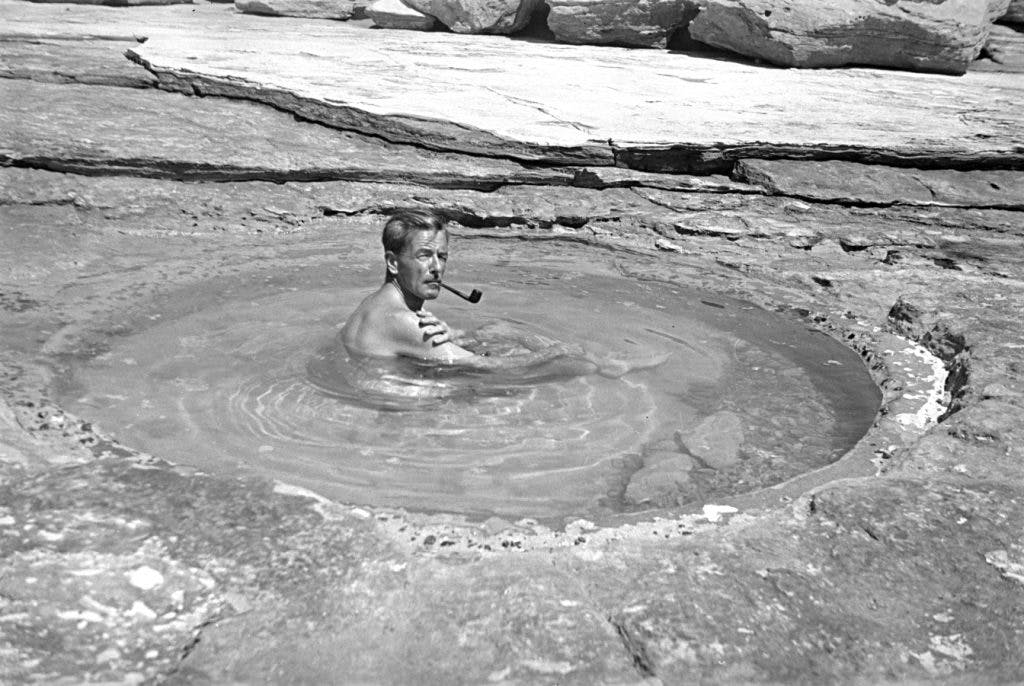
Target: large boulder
638,23
938,35
478,16
395,14
313,9
1014,13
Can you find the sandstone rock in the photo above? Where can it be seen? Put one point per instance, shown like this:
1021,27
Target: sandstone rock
478,16
118,3
659,483
155,133
716,440
1004,50
313,9
613,107
853,183
395,14
643,23
1014,13
943,36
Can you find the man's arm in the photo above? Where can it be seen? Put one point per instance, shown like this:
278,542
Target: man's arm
423,336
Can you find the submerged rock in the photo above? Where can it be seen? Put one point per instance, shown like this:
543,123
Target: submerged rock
716,440
659,480
647,23
478,16
941,36
313,9
395,14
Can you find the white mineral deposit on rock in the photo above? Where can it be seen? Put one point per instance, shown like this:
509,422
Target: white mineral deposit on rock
145,578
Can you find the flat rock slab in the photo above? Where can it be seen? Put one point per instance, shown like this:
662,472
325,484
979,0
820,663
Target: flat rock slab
153,133
93,61
644,109
313,9
853,183
612,105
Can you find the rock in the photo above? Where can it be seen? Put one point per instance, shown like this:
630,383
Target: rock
1014,13
643,23
659,483
395,14
154,133
86,60
311,9
478,16
118,3
853,183
614,107
716,440
1004,50
940,36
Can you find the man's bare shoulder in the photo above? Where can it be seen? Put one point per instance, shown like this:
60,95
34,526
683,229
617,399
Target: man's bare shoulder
383,326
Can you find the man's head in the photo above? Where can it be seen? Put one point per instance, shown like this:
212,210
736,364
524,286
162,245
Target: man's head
416,252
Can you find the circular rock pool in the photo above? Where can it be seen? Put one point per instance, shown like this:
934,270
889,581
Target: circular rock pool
699,396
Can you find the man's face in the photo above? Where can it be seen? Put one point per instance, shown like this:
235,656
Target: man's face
419,267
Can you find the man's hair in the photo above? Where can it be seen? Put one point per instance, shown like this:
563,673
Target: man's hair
403,223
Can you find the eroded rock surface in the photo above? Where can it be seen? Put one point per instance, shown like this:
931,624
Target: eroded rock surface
647,24
612,107
117,567
1014,13
942,36
314,9
395,14
478,16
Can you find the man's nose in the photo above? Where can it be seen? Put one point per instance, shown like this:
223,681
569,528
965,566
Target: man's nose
435,264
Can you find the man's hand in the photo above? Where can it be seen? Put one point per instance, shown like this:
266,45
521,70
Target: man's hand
434,330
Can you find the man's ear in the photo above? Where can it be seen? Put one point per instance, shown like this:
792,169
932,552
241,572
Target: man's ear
391,262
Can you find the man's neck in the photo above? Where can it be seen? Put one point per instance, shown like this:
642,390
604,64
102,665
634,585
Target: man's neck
411,301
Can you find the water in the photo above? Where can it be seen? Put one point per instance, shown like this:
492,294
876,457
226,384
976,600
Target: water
240,375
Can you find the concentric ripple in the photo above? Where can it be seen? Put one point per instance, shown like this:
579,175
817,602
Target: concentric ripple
246,377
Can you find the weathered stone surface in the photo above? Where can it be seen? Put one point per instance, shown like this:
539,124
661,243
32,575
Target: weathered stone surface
395,14
92,61
1004,51
127,569
1014,13
118,3
155,134
648,23
716,440
658,482
613,105
943,36
683,609
478,16
312,9
852,183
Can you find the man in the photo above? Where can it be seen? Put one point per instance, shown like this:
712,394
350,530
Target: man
392,322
